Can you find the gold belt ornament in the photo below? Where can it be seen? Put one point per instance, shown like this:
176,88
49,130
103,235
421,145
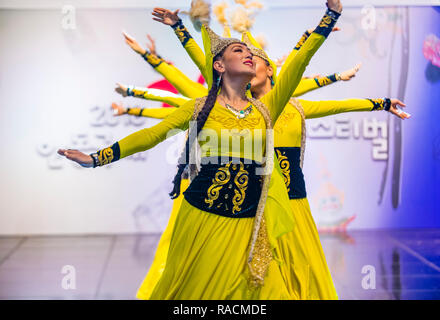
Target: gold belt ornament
222,177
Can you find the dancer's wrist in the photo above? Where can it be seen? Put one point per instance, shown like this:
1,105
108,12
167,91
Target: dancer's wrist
130,92
381,104
106,155
328,21
177,24
387,104
95,160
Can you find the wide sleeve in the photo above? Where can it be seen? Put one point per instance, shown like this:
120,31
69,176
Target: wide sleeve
292,72
307,84
156,113
157,95
146,138
192,48
317,109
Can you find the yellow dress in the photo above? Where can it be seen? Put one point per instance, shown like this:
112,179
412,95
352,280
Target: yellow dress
289,132
160,257
317,283
207,254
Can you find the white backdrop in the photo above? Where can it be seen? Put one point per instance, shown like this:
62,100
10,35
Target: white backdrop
56,88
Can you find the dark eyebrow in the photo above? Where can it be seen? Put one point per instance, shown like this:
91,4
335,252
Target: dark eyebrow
237,45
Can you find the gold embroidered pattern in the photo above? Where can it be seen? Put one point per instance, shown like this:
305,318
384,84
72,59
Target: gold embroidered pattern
218,43
262,256
260,252
138,93
295,102
283,121
222,177
255,51
323,81
326,21
301,41
183,34
152,59
105,156
234,123
241,181
285,168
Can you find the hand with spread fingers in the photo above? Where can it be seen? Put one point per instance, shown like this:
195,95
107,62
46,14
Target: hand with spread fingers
166,16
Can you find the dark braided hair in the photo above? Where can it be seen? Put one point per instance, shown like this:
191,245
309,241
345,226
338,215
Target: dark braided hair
201,119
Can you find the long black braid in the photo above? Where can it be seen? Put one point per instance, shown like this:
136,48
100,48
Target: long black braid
201,119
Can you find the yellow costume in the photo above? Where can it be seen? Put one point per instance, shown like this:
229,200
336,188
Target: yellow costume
208,253
192,89
290,133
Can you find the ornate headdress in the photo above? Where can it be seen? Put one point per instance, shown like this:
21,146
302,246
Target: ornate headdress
258,51
213,45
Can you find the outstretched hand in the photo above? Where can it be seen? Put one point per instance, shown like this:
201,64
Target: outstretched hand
152,45
79,157
133,44
335,5
121,89
350,73
118,109
394,109
166,16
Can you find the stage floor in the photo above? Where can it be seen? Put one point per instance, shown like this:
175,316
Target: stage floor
396,264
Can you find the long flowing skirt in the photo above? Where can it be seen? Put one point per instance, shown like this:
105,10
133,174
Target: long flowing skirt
207,259
308,258
203,256
160,257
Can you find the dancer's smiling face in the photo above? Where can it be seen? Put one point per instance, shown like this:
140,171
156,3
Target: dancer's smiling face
235,61
263,75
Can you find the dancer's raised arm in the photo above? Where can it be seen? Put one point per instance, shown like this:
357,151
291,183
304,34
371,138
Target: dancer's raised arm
309,84
151,94
172,19
175,76
290,76
156,113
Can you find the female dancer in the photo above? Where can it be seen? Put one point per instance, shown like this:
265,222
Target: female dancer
226,212
289,142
